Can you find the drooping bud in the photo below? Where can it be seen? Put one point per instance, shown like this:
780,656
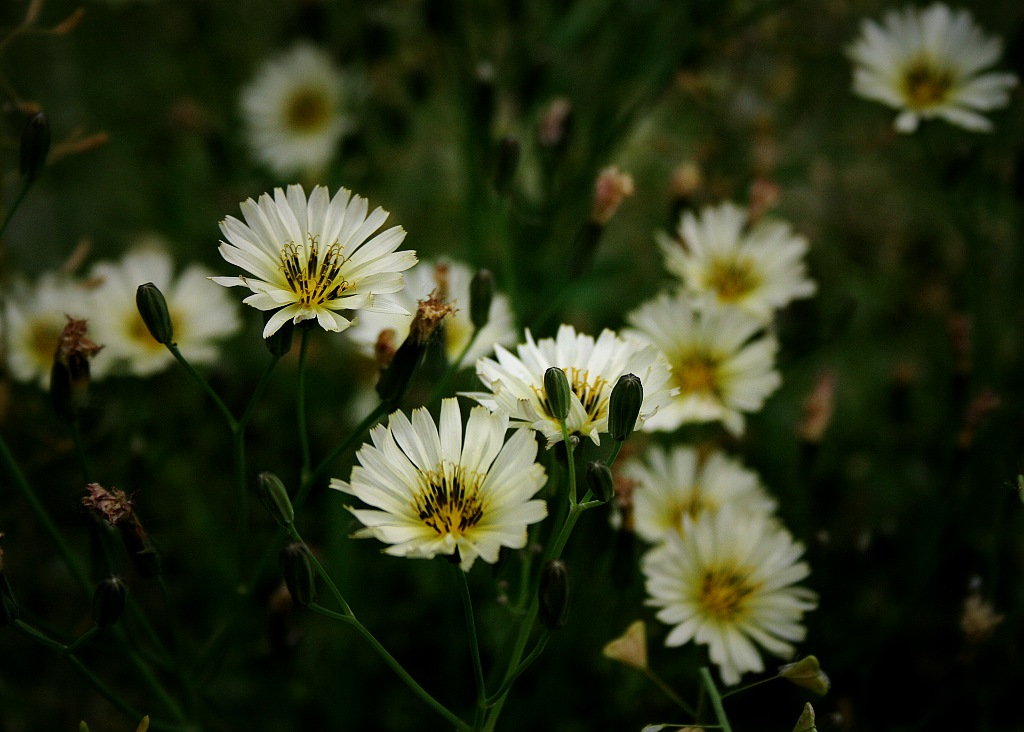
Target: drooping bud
807,674
297,570
397,375
153,308
554,594
558,392
35,145
481,293
631,647
600,480
508,161
274,497
280,342
108,601
624,406
69,377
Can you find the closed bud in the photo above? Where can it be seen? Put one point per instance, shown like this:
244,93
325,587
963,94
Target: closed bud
69,376
600,481
397,375
9,610
624,406
508,160
806,723
108,601
274,497
806,673
556,387
297,570
554,594
481,292
630,648
280,342
35,145
153,308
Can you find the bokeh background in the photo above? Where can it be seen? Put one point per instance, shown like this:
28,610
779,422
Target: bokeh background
908,504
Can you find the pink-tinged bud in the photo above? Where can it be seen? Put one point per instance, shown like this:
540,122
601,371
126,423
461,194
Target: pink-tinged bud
555,124
818,408
610,189
764,196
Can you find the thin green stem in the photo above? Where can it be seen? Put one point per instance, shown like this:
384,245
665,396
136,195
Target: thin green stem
14,207
300,407
474,644
716,699
453,368
49,642
667,690
749,686
542,643
371,419
614,453
179,667
571,459
250,408
83,459
204,385
323,573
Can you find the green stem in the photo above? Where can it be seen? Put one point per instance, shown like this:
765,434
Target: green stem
453,368
300,407
507,684
667,690
749,686
614,453
570,457
474,644
716,699
204,385
179,667
83,460
14,207
49,642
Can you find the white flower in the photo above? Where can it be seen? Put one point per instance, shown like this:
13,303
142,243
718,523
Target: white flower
293,111
728,582
758,270
438,495
201,313
34,317
450,280
592,367
720,364
928,63
312,259
672,484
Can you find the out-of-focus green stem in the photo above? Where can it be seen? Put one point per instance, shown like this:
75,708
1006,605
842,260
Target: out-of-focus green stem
14,207
474,644
307,485
542,643
204,385
300,407
667,691
716,699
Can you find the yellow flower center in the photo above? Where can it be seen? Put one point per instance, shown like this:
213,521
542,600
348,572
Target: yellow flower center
724,592
593,396
139,333
43,337
732,278
449,500
692,505
315,278
926,85
697,372
307,111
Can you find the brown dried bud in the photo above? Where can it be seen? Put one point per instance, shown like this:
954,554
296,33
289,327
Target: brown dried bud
818,408
114,506
69,377
429,316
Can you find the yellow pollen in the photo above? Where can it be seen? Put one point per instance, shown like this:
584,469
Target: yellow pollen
593,396
926,85
724,593
449,501
139,333
697,372
307,111
314,278
692,505
43,338
732,278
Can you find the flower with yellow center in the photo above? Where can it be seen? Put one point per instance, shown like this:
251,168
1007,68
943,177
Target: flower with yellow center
293,111
592,367
672,484
434,493
929,63
34,317
201,312
723,363
728,581
314,258
757,268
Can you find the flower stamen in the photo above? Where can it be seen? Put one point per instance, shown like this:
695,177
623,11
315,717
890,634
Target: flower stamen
732,278
316,282
926,84
449,501
724,591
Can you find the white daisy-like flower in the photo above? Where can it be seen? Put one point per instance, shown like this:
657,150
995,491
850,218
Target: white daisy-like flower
928,63
313,258
201,313
434,493
672,484
729,582
34,317
758,270
592,367
450,280
293,111
722,363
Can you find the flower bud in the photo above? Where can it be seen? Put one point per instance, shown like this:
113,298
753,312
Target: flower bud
274,497
806,673
481,292
508,160
600,481
630,648
297,570
554,594
397,375
9,609
153,308
69,377
35,145
108,601
806,722
624,406
556,387
279,343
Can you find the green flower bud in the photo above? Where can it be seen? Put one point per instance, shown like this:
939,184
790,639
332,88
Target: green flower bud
508,160
806,722
280,343
624,406
806,673
9,609
274,497
600,481
556,387
108,601
481,292
554,594
35,145
153,308
298,573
